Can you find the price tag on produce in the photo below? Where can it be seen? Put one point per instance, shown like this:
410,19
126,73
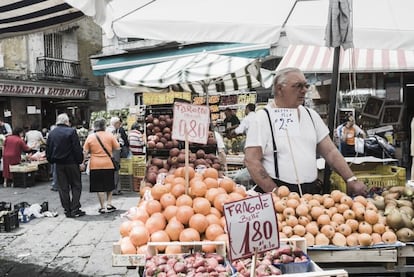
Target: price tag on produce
251,224
286,122
193,119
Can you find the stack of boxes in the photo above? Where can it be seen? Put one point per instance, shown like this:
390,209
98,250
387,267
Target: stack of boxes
132,173
138,168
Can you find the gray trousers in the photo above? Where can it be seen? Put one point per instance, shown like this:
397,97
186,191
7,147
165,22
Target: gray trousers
69,183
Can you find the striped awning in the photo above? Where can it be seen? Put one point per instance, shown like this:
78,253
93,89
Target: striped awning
202,73
19,17
315,59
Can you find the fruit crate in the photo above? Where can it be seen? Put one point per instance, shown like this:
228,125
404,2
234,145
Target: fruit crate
139,159
382,176
138,170
126,166
9,221
126,182
5,206
24,179
188,247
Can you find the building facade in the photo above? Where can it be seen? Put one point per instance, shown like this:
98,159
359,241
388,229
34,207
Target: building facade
47,73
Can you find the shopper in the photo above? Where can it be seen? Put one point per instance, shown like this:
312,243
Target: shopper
99,145
115,127
34,138
293,159
13,147
247,120
231,122
5,128
63,148
136,139
348,135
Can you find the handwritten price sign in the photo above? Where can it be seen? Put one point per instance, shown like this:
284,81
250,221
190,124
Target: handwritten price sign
191,119
286,122
251,224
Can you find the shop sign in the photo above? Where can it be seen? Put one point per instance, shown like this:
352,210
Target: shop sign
251,226
36,90
190,122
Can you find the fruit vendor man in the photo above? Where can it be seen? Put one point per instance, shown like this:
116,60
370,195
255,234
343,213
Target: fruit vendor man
291,159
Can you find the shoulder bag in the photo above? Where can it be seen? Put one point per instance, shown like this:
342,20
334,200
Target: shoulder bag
115,163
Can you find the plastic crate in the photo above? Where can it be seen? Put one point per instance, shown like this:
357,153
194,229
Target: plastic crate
381,176
9,221
125,182
138,170
139,159
126,166
24,179
5,206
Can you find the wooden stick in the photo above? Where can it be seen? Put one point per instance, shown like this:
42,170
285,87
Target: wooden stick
186,170
254,261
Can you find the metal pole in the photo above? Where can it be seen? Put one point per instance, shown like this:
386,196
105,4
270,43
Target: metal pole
332,113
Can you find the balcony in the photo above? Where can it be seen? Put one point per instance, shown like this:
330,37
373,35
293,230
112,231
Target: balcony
57,69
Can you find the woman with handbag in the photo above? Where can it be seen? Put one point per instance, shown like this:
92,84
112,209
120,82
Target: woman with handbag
102,168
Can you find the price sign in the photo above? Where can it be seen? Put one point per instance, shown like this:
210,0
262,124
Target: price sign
251,224
286,122
190,119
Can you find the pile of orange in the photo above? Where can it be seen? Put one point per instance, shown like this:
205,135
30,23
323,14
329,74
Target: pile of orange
331,219
181,213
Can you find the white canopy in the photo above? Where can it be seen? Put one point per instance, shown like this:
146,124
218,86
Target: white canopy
380,24
202,73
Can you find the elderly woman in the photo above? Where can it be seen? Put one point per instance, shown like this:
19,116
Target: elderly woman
99,145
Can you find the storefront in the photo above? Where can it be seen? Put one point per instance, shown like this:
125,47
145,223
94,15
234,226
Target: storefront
24,103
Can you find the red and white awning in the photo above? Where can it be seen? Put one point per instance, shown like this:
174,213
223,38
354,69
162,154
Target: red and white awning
316,59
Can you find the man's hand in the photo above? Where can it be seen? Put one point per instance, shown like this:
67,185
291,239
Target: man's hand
357,188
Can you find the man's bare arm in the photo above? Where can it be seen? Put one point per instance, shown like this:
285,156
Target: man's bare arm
253,160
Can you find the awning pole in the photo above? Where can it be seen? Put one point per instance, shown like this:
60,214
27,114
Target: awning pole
332,112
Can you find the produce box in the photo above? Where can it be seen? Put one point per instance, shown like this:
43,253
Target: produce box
119,259
24,179
188,247
126,166
9,221
382,176
125,182
24,167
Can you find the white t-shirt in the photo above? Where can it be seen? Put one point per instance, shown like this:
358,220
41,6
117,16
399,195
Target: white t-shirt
303,146
34,139
245,123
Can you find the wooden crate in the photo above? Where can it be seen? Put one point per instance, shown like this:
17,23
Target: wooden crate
119,259
188,247
357,261
406,258
298,242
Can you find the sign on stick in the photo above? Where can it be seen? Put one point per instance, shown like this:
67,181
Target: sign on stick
190,119
251,225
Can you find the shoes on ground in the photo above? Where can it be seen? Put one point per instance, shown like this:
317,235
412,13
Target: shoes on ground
116,192
102,210
110,208
77,213
54,189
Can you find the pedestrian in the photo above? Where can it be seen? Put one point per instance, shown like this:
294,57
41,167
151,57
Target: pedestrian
54,185
13,147
99,145
231,122
282,145
5,128
350,132
63,148
115,127
247,120
136,140
34,138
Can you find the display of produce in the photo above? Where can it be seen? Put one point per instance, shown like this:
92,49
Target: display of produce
331,219
159,132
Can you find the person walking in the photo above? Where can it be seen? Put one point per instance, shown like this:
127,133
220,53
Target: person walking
350,131
115,127
64,150
13,147
99,145
281,146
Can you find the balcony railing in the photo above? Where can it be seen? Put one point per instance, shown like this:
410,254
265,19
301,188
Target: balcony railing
57,69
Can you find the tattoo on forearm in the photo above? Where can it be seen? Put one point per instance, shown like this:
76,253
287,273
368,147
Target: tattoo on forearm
263,174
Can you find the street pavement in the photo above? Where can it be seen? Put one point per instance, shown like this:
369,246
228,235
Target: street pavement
60,246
